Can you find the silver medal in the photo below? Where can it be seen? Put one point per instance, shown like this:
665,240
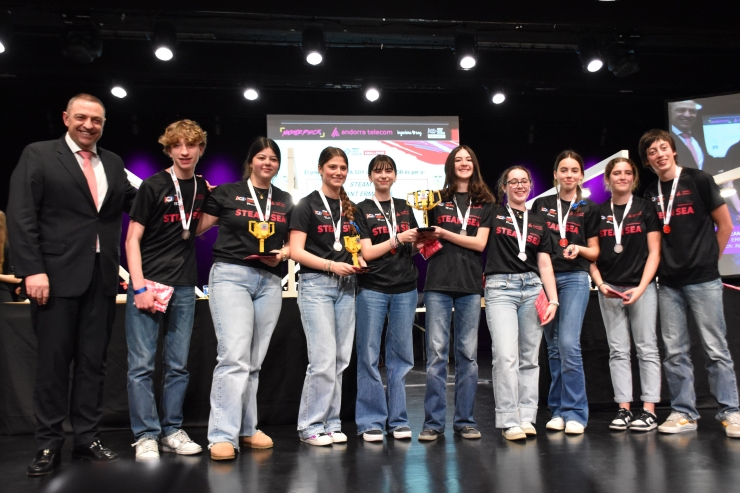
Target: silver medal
522,256
185,234
618,248
337,246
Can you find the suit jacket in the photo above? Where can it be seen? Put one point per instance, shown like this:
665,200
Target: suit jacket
53,223
686,159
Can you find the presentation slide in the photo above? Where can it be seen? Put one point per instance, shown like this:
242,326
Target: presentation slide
418,145
707,135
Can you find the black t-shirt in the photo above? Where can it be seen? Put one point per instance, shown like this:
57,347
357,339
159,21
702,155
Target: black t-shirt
391,273
626,268
582,224
454,268
311,217
234,207
689,253
165,257
503,247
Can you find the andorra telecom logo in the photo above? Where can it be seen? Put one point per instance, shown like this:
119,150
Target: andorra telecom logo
335,133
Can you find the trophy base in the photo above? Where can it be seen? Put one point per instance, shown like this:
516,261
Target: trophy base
255,256
424,230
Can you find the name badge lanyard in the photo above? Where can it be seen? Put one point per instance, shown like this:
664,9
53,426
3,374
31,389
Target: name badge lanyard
464,221
178,193
562,222
618,227
338,225
667,213
268,205
521,238
392,228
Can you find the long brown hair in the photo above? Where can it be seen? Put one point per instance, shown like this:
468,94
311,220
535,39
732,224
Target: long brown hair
347,207
479,191
577,158
501,184
3,238
610,167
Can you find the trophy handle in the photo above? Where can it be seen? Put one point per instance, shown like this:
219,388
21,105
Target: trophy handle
252,226
412,194
436,202
272,228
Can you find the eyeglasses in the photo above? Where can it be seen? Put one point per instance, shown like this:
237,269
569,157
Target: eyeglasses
515,183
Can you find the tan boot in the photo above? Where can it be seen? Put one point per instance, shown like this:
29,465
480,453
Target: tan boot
258,440
223,451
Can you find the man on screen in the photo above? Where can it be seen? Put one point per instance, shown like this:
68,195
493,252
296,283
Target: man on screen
67,197
689,205
692,151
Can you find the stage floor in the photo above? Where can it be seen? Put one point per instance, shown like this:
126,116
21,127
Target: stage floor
599,461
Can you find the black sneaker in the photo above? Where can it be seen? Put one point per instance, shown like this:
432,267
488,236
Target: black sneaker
622,421
429,435
468,432
646,421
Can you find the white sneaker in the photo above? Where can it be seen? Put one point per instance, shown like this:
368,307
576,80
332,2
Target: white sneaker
514,433
337,437
373,436
574,428
402,432
146,450
528,428
732,425
320,439
180,443
556,424
677,423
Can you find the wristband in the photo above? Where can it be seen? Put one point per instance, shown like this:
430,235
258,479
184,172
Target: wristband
139,291
554,303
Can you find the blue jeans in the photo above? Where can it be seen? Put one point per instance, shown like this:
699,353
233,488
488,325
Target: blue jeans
567,397
327,305
245,306
376,406
467,316
142,333
705,302
516,334
641,320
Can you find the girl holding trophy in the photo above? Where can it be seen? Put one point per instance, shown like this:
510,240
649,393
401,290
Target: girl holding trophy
322,235
245,293
387,232
460,224
573,223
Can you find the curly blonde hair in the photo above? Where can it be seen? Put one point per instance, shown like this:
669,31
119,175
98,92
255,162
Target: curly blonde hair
183,129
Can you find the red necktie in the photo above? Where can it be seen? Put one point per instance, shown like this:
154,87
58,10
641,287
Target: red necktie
687,140
89,174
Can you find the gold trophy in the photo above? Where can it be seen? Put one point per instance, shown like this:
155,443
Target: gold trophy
424,200
352,244
262,230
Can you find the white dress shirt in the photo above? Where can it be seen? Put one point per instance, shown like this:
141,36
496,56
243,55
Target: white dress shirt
97,166
697,147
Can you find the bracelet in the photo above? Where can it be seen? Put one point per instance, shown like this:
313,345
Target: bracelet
554,303
331,262
282,252
139,291
599,286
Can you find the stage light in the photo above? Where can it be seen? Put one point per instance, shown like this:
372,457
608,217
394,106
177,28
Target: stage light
2,46
118,91
372,94
623,62
165,38
498,97
585,192
82,45
314,45
4,31
251,94
727,192
466,51
588,51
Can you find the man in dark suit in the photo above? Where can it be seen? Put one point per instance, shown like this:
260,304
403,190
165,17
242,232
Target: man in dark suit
67,198
690,147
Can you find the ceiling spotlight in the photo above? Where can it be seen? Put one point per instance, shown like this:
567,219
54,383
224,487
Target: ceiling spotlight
118,91
251,94
372,94
498,97
590,54
623,62
314,45
165,38
4,30
585,193
466,51
2,46
82,45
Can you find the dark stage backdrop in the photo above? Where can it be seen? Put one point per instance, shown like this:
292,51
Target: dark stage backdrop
281,378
